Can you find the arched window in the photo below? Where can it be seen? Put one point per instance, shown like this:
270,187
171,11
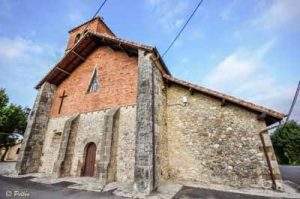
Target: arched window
77,38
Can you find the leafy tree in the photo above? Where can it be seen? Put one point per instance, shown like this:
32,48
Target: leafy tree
13,119
3,98
286,143
3,103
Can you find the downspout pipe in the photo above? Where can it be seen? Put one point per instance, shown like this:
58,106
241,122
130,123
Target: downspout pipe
261,134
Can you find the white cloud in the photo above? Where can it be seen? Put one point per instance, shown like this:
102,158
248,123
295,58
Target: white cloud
244,74
23,62
280,13
238,66
170,14
15,48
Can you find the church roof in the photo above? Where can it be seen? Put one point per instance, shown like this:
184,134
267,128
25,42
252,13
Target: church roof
270,115
75,56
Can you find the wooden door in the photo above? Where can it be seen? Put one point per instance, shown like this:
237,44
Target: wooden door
89,162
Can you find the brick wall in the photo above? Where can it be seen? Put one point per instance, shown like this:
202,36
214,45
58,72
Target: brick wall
117,73
95,26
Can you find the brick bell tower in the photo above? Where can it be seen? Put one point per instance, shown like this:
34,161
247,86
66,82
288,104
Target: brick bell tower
94,25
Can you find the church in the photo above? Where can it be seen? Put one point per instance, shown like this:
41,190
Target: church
110,109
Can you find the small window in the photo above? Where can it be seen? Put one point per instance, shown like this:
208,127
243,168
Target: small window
94,83
77,38
18,151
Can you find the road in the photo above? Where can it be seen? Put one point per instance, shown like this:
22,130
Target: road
197,193
23,188
291,173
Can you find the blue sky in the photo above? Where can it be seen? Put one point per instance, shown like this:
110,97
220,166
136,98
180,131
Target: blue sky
249,49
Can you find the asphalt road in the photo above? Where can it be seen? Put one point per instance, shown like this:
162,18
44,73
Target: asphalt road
23,188
199,193
291,173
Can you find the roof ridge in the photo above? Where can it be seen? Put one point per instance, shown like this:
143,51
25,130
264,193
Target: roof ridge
138,44
230,98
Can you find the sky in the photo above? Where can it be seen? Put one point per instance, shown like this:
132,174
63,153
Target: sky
249,49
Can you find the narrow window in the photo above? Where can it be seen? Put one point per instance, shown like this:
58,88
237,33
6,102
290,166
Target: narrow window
18,151
94,83
77,38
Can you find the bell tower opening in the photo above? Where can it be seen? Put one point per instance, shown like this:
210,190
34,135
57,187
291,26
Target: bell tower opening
95,25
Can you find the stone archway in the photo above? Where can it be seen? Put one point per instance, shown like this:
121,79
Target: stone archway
89,160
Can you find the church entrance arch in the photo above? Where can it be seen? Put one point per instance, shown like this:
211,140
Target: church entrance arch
89,160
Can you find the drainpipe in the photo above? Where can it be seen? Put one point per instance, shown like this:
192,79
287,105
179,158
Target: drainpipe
266,154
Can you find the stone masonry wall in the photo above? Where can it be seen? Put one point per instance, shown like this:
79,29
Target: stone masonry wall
211,143
29,159
51,145
144,144
90,127
160,137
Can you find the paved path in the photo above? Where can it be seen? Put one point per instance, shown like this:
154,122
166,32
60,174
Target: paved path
23,188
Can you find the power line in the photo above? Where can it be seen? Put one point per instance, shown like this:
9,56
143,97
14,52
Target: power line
183,27
293,103
291,108
98,10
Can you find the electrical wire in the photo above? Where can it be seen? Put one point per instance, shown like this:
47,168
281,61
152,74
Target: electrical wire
98,10
183,27
293,103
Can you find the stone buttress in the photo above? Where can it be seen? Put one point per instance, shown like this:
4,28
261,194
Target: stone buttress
29,158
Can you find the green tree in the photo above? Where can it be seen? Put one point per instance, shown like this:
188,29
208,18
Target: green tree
286,143
13,118
3,98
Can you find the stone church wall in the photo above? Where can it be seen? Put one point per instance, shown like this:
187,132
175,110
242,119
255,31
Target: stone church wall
91,127
160,137
51,144
212,144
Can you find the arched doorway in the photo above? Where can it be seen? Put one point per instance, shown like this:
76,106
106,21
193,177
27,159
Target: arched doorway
89,162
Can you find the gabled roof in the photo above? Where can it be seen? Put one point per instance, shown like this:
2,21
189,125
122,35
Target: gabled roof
75,56
91,40
270,115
